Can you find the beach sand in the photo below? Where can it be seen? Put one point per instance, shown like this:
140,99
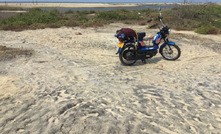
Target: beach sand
69,80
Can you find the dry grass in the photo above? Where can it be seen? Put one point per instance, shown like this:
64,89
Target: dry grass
203,18
11,53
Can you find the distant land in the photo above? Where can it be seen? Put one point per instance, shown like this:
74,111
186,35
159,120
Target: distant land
109,1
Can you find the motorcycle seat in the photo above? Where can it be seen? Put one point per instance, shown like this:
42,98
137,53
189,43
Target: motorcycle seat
141,35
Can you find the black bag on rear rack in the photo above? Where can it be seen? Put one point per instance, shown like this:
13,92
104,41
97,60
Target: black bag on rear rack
126,34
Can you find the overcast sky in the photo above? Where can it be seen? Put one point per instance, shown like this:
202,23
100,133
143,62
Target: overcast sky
116,1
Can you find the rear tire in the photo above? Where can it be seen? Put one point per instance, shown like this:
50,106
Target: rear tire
128,55
170,52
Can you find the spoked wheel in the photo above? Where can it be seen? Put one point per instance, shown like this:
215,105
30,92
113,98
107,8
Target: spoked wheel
128,55
170,52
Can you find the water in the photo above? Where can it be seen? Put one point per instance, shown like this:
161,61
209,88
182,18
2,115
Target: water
61,9
112,1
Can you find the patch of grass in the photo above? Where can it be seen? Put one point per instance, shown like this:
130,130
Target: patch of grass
201,18
100,18
127,22
69,12
205,18
111,15
33,17
122,14
11,53
36,18
208,29
125,10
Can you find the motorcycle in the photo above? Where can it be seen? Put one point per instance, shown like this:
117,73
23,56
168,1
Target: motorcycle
132,49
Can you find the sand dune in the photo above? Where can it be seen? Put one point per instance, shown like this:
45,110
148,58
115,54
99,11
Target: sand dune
75,83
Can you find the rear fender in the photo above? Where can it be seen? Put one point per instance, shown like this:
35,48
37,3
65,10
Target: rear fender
126,45
123,45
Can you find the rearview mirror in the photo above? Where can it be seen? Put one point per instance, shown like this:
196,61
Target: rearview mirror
160,18
149,20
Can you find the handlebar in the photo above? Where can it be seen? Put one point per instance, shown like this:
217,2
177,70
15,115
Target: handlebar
149,20
153,25
160,19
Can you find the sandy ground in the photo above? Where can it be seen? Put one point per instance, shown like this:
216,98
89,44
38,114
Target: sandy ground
74,83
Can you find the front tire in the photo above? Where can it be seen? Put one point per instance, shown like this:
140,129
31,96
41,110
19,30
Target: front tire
128,56
170,52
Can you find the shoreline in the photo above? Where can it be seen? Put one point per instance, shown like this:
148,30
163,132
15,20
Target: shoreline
65,5
81,5
12,11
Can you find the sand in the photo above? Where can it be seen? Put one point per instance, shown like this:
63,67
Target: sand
74,83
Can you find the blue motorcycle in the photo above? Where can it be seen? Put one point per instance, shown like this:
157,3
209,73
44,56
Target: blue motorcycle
132,47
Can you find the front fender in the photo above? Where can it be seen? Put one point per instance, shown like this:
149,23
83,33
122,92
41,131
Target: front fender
169,43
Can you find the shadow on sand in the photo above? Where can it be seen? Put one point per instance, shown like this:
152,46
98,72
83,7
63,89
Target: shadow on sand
153,60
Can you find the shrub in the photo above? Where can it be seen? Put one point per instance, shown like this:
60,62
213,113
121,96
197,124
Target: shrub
125,10
203,18
118,15
147,11
127,22
111,15
32,17
18,23
71,24
208,29
69,12
81,18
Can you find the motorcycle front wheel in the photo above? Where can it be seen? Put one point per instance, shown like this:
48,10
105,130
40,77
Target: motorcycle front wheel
127,55
170,52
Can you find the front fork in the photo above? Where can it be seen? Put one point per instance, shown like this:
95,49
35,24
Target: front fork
167,46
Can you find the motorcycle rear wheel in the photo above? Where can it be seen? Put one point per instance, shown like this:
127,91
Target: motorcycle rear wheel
170,52
128,56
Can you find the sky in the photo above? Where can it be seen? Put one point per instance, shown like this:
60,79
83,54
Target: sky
118,1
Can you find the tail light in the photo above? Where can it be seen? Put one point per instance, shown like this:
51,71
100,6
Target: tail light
121,39
120,36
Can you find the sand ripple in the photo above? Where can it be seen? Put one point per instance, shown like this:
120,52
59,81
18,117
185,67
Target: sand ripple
75,84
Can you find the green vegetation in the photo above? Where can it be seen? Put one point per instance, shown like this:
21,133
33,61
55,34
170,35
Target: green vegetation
34,18
204,19
207,29
99,18
118,15
69,12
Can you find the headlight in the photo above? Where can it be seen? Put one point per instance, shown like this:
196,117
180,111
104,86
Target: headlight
169,30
